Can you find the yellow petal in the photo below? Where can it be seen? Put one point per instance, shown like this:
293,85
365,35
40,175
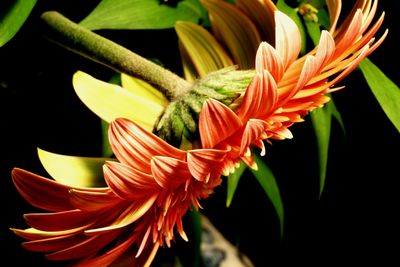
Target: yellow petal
189,70
334,7
236,30
205,53
109,101
141,88
73,171
262,14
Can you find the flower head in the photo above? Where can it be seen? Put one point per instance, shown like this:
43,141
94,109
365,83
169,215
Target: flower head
148,192
153,184
285,88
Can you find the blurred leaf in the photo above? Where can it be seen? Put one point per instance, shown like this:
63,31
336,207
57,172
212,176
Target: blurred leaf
141,14
385,91
268,182
323,18
233,181
335,113
322,121
72,170
292,13
313,30
13,17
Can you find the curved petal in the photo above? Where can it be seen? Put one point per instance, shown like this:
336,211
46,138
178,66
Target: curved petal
130,214
260,98
235,30
262,14
93,200
35,234
72,170
41,192
201,162
143,89
110,101
253,131
127,182
216,123
88,246
334,7
287,39
267,59
59,221
54,243
205,53
168,172
135,146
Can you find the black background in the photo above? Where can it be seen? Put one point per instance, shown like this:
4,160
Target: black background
355,221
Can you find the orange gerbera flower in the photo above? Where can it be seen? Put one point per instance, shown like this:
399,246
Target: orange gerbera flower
285,87
149,190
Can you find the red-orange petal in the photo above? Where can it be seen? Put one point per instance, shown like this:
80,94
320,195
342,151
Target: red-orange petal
252,132
42,192
127,182
201,162
216,123
260,97
59,221
168,172
135,146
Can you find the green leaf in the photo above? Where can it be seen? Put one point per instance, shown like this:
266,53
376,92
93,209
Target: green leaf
385,91
141,14
321,120
13,17
323,18
233,181
267,181
335,113
292,13
313,30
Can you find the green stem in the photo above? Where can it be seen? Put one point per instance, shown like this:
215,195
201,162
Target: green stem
99,49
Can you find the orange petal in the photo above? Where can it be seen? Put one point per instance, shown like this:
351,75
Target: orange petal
131,214
260,97
268,59
168,172
252,132
216,123
55,243
201,162
87,247
105,259
127,182
41,192
59,221
135,146
287,39
93,201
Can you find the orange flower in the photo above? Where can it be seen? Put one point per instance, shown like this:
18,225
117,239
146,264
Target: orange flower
285,87
149,191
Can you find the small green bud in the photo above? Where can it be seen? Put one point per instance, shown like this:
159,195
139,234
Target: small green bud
308,12
179,120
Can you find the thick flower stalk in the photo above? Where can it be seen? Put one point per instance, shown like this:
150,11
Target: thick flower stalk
153,184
